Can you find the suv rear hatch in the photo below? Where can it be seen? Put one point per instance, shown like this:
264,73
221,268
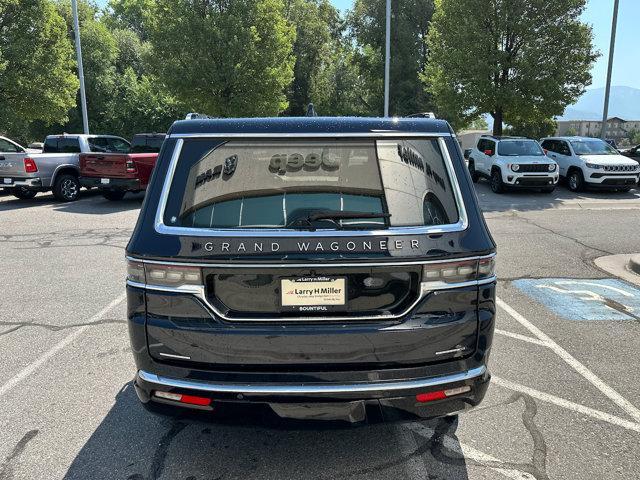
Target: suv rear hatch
358,212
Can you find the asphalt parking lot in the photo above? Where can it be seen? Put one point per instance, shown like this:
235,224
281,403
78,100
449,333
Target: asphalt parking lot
564,402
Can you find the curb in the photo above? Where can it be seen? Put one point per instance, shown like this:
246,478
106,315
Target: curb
634,264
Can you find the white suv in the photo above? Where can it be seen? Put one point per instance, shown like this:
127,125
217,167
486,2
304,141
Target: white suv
512,162
591,162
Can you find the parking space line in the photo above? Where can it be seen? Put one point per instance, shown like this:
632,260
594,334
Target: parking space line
561,402
471,453
32,367
572,362
524,338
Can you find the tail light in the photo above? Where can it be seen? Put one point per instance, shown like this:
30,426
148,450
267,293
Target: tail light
30,165
131,166
458,271
163,275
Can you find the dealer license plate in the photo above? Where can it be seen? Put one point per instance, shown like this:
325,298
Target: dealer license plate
313,291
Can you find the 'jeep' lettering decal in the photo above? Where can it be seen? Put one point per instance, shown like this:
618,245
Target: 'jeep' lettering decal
281,163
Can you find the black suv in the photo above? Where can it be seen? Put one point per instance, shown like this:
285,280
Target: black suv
325,268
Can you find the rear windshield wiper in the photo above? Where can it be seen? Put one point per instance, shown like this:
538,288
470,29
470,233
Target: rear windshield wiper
334,216
340,215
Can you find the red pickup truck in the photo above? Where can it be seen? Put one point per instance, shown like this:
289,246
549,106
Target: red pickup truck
118,173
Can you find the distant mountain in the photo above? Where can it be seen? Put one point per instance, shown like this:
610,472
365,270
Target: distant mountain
624,102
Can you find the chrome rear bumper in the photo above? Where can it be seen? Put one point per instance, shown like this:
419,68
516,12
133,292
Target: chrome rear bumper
21,182
373,388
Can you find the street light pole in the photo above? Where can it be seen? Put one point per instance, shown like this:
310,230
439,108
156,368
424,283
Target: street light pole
83,97
605,111
387,58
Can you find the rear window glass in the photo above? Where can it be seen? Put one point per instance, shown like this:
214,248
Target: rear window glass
50,145
346,184
68,145
143,144
98,144
108,145
118,145
519,147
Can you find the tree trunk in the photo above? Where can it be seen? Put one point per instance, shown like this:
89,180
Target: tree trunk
497,122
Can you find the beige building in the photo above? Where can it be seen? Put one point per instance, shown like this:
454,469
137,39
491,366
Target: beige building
616,128
469,138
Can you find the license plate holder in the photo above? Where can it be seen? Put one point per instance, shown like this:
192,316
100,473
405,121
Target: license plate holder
313,294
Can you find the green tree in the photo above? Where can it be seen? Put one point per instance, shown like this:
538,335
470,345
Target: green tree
99,53
519,60
409,26
143,105
478,124
536,129
37,80
315,22
225,58
571,132
338,87
133,15
634,137
123,96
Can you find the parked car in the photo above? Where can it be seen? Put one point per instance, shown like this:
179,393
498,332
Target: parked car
512,162
611,142
147,142
632,152
323,267
115,174
56,168
591,163
9,146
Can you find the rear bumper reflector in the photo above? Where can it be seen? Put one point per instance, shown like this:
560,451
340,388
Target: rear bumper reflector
441,394
177,397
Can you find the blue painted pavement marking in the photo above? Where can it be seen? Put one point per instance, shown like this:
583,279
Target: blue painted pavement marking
585,299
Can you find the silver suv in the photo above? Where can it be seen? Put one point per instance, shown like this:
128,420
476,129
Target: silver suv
512,162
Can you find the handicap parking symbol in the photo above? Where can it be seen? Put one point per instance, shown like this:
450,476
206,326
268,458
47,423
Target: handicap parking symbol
585,299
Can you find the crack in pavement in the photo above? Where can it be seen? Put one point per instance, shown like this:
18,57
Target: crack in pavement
108,237
160,455
538,465
563,235
55,328
617,306
6,470
445,430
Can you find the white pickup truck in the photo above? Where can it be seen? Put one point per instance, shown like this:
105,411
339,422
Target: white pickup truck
56,168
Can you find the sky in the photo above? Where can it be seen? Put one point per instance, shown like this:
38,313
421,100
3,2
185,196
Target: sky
599,13
626,57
